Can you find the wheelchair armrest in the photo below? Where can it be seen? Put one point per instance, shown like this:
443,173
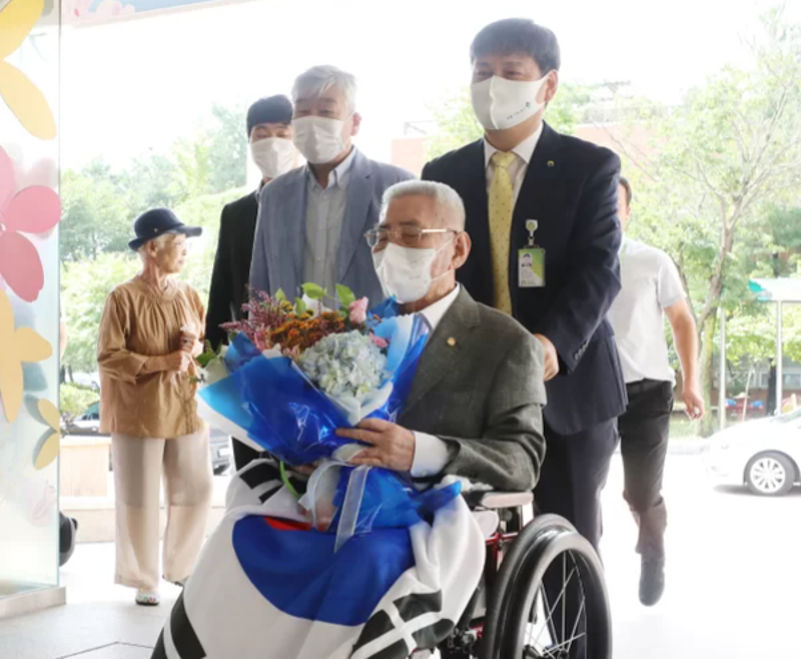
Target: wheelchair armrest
499,500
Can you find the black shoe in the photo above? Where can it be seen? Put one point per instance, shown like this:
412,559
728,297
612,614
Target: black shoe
68,529
652,579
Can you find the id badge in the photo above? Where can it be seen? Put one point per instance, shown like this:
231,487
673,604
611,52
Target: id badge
531,267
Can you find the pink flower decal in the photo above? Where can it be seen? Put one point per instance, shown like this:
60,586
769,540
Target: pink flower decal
358,311
33,210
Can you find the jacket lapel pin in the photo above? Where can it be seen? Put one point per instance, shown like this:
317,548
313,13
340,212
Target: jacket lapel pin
451,342
551,163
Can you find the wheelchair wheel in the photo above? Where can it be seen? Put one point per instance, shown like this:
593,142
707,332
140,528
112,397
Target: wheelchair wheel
570,619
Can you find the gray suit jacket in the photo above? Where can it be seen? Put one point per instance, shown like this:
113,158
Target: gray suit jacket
278,250
479,387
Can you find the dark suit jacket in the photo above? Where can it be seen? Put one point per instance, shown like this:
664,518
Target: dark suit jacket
479,387
229,279
570,188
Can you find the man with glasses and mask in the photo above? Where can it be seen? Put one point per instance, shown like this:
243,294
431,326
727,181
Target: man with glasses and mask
475,408
542,212
312,221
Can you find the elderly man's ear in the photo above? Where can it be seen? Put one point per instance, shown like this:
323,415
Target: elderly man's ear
462,250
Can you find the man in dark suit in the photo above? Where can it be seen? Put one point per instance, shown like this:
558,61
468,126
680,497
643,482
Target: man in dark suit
531,192
269,127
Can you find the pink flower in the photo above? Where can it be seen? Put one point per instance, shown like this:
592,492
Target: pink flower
358,311
379,342
33,210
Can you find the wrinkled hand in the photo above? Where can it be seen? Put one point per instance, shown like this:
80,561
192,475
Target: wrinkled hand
189,343
693,402
392,446
178,361
551,357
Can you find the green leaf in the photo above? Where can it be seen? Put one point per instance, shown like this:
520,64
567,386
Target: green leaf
345,295
313,291
300,306
280,295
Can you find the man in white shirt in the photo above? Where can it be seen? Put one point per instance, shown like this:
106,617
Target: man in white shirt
651,290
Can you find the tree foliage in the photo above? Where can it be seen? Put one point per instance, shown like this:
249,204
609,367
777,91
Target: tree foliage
721,180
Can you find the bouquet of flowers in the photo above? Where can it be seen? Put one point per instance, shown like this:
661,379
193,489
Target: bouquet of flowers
294,373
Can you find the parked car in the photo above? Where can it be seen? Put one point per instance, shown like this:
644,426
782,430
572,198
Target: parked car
764,454
87,380
88,423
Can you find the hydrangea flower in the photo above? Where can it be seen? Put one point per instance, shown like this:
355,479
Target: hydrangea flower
345,365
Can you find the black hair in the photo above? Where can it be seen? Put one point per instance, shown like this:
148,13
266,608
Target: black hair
518,35
627,187
270,110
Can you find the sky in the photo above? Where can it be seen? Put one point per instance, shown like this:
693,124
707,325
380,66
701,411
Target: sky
138,84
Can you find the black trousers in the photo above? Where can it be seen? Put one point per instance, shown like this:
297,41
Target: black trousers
243,454
574,474
644,432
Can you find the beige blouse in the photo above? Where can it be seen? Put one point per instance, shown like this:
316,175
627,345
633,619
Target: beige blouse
140,321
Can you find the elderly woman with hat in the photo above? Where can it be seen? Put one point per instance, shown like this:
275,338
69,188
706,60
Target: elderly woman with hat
150,332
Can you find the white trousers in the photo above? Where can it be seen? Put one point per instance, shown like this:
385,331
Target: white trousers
188,485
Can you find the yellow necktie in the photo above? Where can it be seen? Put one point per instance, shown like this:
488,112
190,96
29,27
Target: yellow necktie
501,207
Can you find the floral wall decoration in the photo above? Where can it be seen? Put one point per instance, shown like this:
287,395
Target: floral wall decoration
18,345
34,211
22,96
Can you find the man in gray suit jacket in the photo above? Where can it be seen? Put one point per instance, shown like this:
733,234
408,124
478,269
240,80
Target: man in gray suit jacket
475,409
312,220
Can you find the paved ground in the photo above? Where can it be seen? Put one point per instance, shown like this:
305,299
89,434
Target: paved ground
734,585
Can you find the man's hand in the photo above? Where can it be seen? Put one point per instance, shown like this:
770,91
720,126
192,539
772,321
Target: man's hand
694,402
551,357
392,446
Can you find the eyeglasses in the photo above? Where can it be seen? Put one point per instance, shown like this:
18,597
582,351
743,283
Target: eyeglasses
404,236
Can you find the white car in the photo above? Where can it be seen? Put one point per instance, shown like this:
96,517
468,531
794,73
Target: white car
764,454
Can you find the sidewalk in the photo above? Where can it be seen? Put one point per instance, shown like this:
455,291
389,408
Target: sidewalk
100,620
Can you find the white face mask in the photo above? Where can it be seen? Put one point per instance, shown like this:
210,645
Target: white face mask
273,156
500,103
319,139
405,272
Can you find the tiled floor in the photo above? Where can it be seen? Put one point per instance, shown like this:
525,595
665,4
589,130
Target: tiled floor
734,576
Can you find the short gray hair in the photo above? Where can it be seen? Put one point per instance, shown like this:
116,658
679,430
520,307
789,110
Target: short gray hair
319,79
444,197
161,242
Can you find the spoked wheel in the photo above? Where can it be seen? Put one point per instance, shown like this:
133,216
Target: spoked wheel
556,605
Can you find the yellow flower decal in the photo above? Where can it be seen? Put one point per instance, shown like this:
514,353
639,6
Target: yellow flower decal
47,450
17,346
23,97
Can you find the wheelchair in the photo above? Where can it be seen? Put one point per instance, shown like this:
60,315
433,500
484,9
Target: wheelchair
542,594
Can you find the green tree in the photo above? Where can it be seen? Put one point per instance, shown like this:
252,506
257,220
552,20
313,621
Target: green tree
94,218
85,285
723,158
457,124
228,145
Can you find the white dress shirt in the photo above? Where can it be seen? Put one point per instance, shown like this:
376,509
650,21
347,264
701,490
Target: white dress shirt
650,283
517,170
431,454
325,215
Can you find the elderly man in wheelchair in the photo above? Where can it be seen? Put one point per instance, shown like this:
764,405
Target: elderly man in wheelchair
517,588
